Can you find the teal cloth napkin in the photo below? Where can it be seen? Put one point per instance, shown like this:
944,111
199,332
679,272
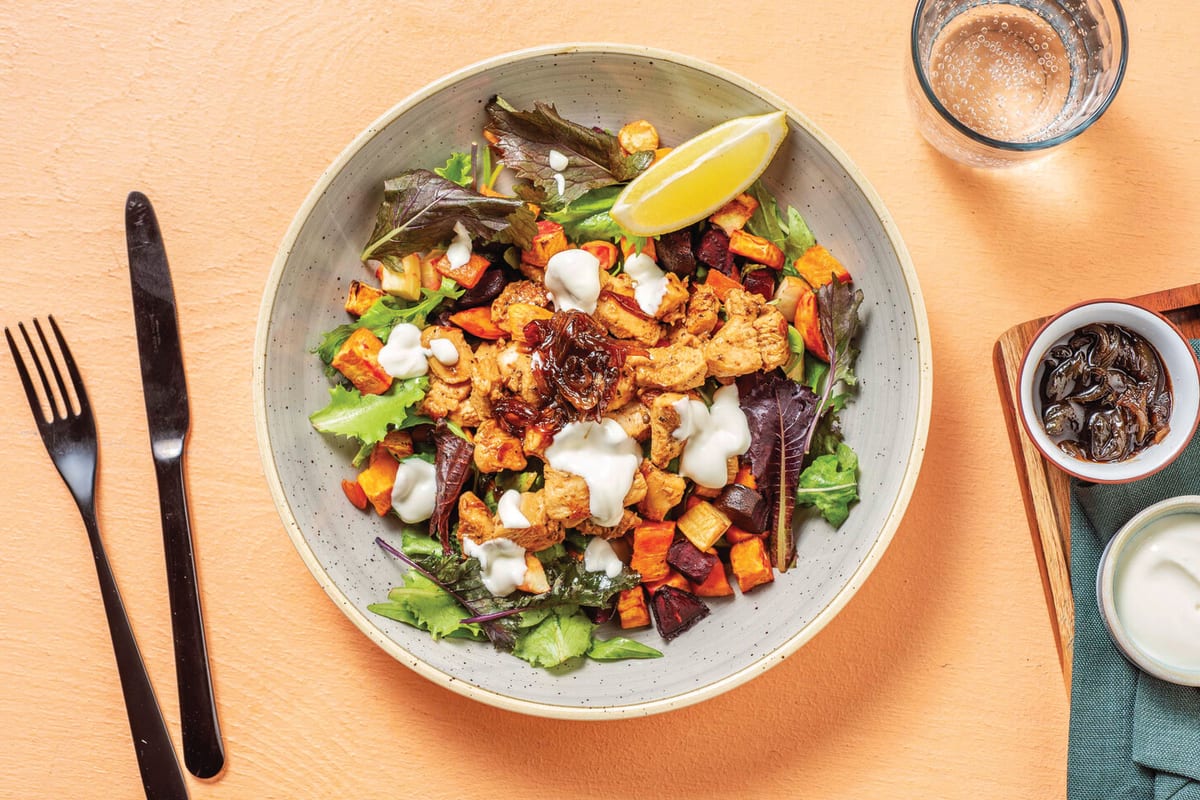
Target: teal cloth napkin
1133,737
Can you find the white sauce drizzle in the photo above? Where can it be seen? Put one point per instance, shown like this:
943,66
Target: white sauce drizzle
599,556
509,509
605,457
1157,590
501,564
414,490
649,282
713,435
458,252
402,356
560,183
444,351
558,161
573,280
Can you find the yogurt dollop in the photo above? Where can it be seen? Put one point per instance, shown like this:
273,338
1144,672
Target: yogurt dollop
573,280
509,510
1157,590
414,490
501,564
599,556
403,356
712,436
605,457
649,282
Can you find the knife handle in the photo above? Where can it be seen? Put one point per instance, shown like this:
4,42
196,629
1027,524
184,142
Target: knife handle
203,752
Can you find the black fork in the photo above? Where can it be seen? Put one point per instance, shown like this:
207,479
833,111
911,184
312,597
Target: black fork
70,438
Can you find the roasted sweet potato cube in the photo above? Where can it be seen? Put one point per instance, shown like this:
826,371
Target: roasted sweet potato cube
751,564
672,578
378,479
478,322
361,297
715,585
735,534
808,322
606,252
818,266
629,247
721,284
398,443
550,240
703,524
755,248
632,608
358,360
735,214
535,576
467,274
638,135
651,541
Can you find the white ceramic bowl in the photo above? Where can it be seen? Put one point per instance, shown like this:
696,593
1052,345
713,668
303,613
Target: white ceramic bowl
1112,562
1177,357
602,85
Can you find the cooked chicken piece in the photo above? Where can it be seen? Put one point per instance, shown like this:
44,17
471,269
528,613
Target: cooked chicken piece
467,415
542,531
532,272
474,519
664,491
496,449
620,321
516,373
567,497
674,301
443,398
625,389
535,442
461,369
518,292
753,337
637,490
702,311
676,367
629,521
634,419
664,419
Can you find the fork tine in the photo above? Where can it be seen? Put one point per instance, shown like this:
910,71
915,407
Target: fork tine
72,369
37,362
38,414
58,378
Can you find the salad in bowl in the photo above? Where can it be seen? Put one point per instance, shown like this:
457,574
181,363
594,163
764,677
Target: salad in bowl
580,424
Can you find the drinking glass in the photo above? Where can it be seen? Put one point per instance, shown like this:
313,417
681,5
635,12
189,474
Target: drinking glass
998,82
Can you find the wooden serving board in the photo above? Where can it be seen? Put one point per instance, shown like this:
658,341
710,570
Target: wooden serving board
1044,487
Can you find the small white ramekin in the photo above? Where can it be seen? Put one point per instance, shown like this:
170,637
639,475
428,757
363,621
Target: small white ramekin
1177,357
1110,563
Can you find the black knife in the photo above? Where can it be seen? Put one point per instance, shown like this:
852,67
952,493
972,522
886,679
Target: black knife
167,413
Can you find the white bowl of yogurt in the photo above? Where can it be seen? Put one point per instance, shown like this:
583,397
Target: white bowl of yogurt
1148,589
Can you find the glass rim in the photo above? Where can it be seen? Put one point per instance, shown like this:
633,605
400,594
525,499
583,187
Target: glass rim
1001,144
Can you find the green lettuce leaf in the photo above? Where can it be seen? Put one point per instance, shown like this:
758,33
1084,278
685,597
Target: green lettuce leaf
795,366
423,604
420,209
366,418
830,483
791,234
386,313
457,168
618,648
594,158
561,636
586,218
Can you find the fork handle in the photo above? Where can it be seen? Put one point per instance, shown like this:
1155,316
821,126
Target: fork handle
162,777
203,751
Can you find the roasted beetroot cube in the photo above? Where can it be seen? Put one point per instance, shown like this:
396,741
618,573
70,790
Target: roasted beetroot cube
713,251
675,252
693,563
600,615
760,282
675,611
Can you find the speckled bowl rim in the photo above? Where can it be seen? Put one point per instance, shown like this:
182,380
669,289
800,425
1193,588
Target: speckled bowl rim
1106,599
1089,471
690,696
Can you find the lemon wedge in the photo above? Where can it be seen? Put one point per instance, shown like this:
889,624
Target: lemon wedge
699,176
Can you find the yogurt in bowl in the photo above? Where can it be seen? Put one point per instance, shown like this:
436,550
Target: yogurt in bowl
1148,589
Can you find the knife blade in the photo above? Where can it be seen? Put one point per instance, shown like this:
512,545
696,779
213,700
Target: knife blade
168,416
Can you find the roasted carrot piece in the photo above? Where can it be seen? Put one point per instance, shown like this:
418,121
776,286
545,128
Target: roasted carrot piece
550,240
809,324
651,541
478,322
750,563
467,274
721,283
354,493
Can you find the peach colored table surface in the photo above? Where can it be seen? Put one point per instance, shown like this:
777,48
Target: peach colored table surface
940,678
